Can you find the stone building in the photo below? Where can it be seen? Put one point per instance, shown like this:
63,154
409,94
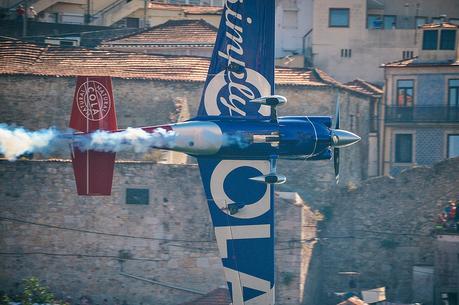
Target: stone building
162,251
352,38
383,234
148,89
421,118
179,37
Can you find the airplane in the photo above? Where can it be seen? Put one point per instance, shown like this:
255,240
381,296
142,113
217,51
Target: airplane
236,137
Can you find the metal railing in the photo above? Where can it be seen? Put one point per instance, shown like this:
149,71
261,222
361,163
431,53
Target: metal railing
422,114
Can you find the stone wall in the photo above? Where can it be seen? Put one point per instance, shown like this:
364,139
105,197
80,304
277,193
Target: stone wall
47,102
49,232
383,229
447,268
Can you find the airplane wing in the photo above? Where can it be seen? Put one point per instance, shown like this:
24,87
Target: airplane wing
242,212
242,66
242,69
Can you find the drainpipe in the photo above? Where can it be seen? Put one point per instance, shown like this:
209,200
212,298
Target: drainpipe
145,5
304,48
24,18
87,17
382,124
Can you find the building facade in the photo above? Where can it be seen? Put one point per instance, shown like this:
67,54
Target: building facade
293,31
421,124
352,38
132,13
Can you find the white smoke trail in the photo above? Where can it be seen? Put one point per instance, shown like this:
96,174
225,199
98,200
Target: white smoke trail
17,141
135,139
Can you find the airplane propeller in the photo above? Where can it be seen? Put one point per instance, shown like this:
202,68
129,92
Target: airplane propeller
336,149
340,138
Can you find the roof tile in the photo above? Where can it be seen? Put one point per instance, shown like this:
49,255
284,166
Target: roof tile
365,87
440,25
180,32
18,57
188,8
416,62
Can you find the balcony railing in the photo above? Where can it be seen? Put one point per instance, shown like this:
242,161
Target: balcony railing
422,114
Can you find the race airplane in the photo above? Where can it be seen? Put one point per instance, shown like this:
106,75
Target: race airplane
236,137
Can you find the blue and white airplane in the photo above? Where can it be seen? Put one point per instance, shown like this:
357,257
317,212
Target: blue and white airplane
236,137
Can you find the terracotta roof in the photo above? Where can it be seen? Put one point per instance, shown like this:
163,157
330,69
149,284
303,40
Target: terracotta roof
218,296
187,9
416,62
180,32
353,301
448,25
365,87
18,57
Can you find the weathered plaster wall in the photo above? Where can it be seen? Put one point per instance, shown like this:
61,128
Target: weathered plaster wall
178,245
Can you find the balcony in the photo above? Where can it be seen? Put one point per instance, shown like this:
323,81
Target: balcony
422,114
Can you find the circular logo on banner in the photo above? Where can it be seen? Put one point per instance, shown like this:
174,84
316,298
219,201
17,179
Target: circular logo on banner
230,183
93,100
228,92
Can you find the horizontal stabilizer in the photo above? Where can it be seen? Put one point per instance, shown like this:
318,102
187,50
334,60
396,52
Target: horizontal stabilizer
93,172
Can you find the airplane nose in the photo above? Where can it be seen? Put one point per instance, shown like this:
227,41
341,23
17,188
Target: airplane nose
343,138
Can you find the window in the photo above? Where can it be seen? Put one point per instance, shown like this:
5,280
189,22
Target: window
448,40
339,17
407,54
453,92
453,145
437,20
420,21
381,22
405,93
137,196
390,22
132,22
346,52
374,22
454,20
403,148
430,40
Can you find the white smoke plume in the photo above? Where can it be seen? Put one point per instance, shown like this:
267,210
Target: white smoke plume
135,139
17,141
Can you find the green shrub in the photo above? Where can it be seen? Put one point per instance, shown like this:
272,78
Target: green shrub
34,292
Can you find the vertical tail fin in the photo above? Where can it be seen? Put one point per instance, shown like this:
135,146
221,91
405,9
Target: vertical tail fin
93,109
93,105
